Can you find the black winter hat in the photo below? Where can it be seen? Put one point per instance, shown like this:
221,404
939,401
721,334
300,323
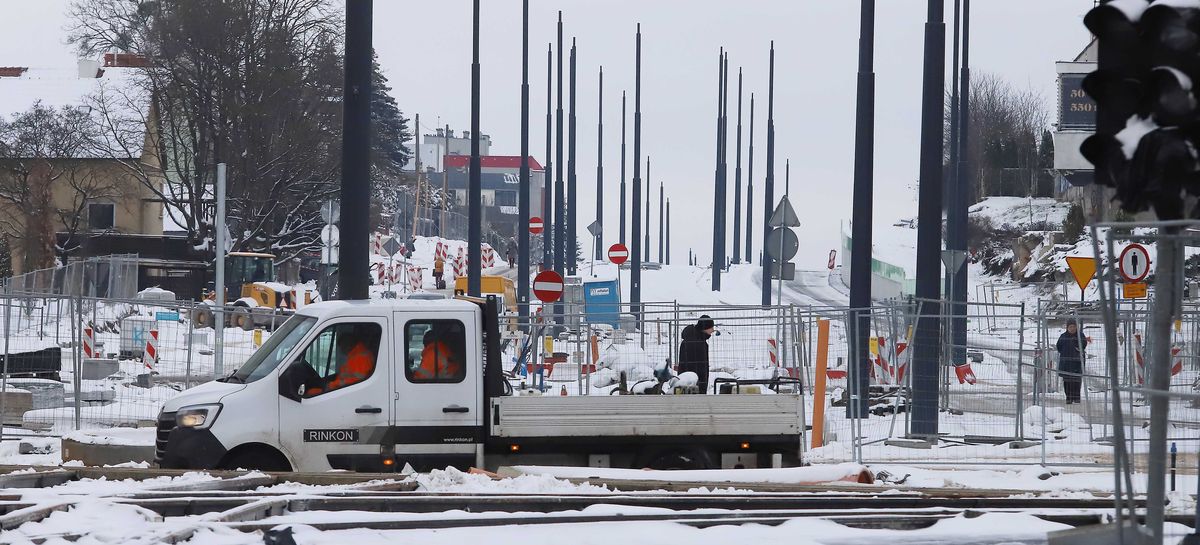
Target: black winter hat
705,323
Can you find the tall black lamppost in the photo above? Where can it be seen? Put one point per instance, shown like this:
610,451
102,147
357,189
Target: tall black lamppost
353,275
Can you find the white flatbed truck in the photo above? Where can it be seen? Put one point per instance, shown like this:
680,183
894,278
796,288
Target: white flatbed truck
267,415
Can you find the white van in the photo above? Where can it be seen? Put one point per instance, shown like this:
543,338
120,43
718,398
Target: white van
349,385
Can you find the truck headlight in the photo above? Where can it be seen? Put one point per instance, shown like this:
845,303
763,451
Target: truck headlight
197,416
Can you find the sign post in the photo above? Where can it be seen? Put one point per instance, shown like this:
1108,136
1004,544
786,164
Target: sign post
595,229
782,243
618,254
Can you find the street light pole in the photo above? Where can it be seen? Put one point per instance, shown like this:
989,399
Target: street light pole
864,186
929,229
523,257
474,184
353,273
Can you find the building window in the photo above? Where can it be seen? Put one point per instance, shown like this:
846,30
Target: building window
506,198
101,216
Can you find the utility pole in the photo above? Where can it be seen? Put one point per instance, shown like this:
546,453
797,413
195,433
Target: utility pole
523,257
445,182
661,234
635,273
769,189
560,225
929,230
864,182
737,181
356,145
219,281
600,169
417,171
572,212
548,174
474,184
956,215
668,231
718,235
622,240
750,186
647,208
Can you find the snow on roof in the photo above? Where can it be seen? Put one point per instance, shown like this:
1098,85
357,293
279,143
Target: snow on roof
115,100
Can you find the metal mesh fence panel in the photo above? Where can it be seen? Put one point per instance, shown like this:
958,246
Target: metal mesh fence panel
81,362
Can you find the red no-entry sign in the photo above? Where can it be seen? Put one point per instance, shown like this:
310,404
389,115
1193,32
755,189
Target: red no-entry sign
618,253
548,286
535,225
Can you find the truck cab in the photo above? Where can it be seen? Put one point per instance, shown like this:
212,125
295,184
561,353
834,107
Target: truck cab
292,405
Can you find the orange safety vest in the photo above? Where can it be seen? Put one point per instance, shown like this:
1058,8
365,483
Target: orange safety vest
436,363
360,362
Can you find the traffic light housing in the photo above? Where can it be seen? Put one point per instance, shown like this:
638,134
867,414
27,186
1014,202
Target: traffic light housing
1148,120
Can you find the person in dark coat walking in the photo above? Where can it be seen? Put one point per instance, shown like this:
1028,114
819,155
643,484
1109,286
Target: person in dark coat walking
1071,346
693,350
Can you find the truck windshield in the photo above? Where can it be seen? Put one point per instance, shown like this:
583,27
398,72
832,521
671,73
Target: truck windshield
272,352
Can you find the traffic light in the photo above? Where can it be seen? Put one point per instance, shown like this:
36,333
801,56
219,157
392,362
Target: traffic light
1148,123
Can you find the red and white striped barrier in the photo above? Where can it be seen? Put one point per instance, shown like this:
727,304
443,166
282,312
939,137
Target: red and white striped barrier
460,264
773,351
377,243
1138,350
150,355
487,258
416,277
89,341
380,272
440,251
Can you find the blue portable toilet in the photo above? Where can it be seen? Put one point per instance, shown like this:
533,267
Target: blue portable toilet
602,297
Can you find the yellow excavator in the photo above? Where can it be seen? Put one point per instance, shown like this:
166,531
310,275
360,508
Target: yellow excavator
251,276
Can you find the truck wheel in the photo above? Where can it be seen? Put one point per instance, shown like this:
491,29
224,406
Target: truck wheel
679,459
256,458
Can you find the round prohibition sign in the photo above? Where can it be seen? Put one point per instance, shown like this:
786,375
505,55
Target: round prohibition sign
548,286
1134,263
618,253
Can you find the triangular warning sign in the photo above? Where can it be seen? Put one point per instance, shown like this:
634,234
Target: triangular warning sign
784,215
1083,268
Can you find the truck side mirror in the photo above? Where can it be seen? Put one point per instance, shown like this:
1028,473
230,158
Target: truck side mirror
291,380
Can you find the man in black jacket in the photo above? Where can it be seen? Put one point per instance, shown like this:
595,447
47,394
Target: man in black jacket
1070,348
693,350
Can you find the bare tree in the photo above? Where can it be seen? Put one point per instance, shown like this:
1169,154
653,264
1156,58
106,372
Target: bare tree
255,84
1005,137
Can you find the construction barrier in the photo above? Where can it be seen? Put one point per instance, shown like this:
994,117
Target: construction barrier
1138,351
415,278
487,258
150,355
89,341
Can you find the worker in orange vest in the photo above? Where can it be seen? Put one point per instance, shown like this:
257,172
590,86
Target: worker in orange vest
359,363
438,362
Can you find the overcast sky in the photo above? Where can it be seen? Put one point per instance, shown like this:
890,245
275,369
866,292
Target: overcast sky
425,49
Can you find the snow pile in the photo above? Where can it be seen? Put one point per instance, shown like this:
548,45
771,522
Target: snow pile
453,480
1039,214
